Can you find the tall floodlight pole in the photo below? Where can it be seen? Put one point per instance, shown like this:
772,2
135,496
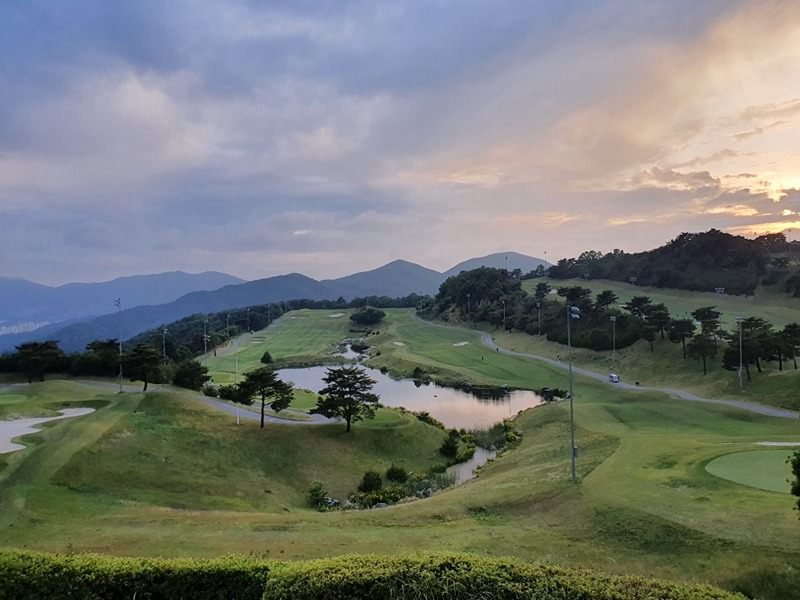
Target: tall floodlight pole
164,342
228,326
613,320
205,343
504,315
572,313
739,321
539,310
248,319
118,302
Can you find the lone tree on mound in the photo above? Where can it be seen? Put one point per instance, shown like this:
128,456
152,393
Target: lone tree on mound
264,383
368,316
348,395
143,362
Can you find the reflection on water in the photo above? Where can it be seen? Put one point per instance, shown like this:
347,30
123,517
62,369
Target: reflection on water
454,408
465,471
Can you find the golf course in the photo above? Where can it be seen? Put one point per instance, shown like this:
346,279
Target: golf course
687,491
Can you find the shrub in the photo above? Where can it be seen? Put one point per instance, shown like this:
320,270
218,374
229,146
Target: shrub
371,482
210,390
449,447
457,576
266,358
397,474
385,495
317,494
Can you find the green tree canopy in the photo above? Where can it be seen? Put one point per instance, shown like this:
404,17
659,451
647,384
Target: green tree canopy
190,374
35,359
264,384
143,362
367,316
348,395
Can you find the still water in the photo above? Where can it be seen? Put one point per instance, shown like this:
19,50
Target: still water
454,408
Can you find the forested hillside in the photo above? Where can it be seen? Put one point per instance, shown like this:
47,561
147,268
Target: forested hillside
697,262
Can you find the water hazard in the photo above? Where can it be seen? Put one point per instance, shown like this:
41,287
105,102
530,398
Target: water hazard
454,408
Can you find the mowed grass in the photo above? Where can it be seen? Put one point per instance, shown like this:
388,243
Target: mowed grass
160,474
764,469
300,336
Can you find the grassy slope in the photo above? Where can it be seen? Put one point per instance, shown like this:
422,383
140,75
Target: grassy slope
645,503
665,366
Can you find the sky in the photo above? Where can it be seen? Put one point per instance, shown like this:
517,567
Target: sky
260,138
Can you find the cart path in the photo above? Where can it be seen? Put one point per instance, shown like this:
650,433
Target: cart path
243,411
683,395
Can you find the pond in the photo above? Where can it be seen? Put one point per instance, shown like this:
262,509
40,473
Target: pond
454,408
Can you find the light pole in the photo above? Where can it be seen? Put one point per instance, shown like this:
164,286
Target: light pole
613,320
468,308
164,343
118,302
228,326
504,315
739,321
248,319
572,313
539,310
206,338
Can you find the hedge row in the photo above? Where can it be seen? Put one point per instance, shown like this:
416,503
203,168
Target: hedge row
25,575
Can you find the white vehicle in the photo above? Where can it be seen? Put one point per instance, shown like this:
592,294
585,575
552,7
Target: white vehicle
613,378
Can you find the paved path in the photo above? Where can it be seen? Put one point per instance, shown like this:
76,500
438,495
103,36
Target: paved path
243,411
246,413
749,406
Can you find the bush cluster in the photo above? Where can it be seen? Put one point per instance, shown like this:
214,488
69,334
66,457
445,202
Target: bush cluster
29,576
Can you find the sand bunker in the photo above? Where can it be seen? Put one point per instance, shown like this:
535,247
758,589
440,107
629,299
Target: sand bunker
19,427
335,315
460,343
399,343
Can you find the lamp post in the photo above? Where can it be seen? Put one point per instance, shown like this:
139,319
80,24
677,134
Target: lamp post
539,310
164,343
613,320
739,321
572,313
118,302
206,338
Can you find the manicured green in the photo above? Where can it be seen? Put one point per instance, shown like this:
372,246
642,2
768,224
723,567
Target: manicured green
764,469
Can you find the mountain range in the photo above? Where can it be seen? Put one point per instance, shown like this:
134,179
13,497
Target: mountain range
149,301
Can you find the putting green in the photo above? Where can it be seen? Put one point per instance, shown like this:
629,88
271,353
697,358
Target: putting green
763,469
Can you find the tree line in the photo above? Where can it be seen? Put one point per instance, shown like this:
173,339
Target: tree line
696,261
495,296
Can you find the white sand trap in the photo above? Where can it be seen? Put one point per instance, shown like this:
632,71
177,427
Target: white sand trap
335,315
460,343
778,443
399,343
18,427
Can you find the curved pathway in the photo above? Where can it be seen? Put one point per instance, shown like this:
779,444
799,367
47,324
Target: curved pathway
242,411
749,406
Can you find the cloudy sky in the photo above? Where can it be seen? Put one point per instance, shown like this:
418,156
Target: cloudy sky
266,137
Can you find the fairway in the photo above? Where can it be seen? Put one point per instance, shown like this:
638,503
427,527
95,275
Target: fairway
763,469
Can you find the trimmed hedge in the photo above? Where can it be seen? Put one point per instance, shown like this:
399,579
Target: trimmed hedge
29,575
462,576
